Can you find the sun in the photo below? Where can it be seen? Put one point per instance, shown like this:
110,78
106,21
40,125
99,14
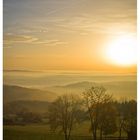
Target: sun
122,51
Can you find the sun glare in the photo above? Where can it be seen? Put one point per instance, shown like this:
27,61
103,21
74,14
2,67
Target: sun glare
122,51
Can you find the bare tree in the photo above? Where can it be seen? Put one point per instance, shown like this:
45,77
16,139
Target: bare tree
107,119
94,98
130,120
121,116
121,122
127,118
63,114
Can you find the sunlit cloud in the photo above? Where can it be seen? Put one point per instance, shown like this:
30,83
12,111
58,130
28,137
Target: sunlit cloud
10,40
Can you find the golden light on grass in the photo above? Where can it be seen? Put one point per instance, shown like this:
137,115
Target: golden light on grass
122,51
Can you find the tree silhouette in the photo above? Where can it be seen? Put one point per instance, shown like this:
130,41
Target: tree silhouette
94,98
63,114
130,119
107,119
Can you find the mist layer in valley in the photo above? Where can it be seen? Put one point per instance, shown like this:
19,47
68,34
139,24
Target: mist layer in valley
40,85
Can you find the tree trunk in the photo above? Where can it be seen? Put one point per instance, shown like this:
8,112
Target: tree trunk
120,133
66,136
101,134
69,134
95,134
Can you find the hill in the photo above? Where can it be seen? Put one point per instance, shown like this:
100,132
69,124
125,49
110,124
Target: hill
119,89
14,93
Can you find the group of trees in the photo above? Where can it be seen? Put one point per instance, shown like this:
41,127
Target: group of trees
106,116
127,118
22,117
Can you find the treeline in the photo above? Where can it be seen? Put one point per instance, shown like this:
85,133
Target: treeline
106,115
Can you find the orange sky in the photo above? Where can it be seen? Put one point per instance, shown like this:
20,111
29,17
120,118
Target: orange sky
65,35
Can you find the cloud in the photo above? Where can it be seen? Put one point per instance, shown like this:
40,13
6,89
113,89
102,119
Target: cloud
51,18
85,24
11,39
53,42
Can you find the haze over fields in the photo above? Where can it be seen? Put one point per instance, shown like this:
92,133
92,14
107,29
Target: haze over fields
46,85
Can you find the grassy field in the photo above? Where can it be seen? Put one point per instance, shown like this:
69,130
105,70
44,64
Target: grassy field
41,132
35,134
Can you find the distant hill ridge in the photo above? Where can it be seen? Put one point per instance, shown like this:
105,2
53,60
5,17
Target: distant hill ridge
89,84
78,84
13,93
119,89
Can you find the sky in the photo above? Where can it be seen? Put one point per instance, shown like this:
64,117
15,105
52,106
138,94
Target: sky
65,34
